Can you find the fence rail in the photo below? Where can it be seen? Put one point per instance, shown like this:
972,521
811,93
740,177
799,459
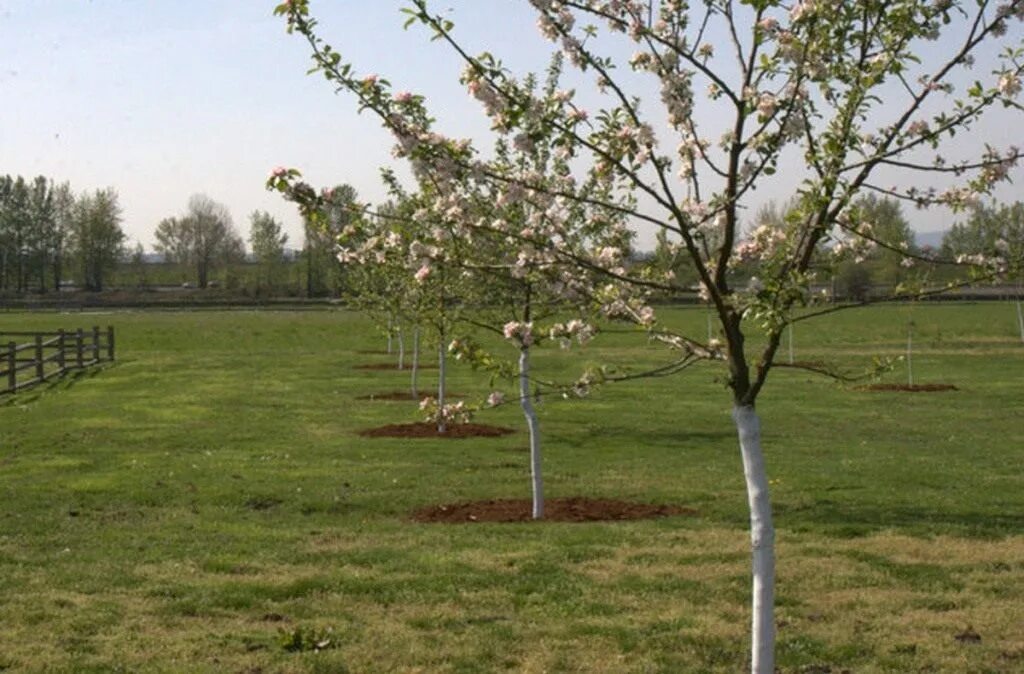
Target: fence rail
48,355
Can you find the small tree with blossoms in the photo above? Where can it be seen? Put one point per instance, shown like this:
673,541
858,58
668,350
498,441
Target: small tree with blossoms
513,283
793,94
399,252
521,283
378,281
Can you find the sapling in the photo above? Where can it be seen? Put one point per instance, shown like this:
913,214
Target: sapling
910,353
1020,312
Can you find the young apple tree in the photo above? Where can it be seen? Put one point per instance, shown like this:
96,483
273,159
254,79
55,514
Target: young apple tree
831,100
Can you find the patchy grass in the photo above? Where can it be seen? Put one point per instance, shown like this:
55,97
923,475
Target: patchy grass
206,501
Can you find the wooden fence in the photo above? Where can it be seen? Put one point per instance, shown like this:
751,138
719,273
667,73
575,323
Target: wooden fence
47,355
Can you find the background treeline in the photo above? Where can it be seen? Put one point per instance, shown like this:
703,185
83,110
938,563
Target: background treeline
54,239
49,234
988,229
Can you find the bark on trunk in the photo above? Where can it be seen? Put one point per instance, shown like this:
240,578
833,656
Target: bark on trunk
1020,314
536,472
790,339
401,348
910,351
441,358
415,359
762,541
390,321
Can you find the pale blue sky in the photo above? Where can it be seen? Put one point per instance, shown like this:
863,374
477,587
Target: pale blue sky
163,99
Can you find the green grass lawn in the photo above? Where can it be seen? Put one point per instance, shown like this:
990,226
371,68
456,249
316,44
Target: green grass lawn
184,508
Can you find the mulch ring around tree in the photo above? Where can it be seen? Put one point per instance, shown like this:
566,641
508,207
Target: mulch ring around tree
423,429
572,509
392,366
910,388
403,396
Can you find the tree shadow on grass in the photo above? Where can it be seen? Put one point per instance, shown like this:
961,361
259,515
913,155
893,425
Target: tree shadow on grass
852,520
619,436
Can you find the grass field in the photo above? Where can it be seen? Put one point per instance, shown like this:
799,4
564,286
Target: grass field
207,497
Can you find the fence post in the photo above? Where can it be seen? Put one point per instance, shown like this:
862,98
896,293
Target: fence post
96,343
60,351
12,374
110,343
79,347
40,369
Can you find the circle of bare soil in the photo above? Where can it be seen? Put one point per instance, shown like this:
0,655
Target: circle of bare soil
391,366
571,509
911,388
402,396
423,429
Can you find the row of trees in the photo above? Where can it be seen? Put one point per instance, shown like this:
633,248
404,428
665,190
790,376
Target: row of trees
989,229
204,240
48,232
50,235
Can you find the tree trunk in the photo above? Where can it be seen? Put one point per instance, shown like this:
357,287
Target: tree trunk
910,349
762,541
441,362
1020,314
536,474
401,347
56,272
415,359
390,327
790,339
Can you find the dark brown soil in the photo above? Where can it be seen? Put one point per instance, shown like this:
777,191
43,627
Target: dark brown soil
424,430
392,366
574,509
404,396
911,388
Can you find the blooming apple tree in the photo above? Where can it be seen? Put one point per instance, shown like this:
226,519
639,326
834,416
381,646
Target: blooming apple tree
532,267
830,99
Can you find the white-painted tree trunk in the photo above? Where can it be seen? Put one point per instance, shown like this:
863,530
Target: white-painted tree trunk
910,353
525,401
442,354
762,541
390,322
401,347
415,359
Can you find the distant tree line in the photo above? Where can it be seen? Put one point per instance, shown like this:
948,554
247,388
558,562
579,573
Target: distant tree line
49,234
987,230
